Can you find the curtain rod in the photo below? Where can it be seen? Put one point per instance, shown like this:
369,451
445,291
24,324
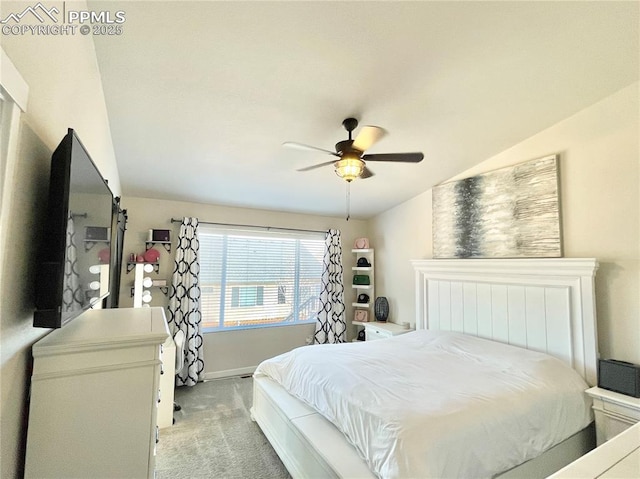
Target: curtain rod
174,220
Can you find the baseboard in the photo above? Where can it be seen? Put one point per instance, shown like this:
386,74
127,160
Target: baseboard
229,373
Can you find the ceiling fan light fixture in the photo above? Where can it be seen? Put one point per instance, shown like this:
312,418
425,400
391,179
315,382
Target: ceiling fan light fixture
349,167
351,153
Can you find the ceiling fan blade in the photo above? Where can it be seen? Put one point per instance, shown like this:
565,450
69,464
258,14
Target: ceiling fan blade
367,136
397,157
302,146
313,167
366,173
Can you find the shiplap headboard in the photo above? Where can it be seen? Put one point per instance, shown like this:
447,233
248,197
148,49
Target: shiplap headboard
545,305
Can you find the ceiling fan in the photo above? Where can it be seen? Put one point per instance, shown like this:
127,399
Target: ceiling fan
351,162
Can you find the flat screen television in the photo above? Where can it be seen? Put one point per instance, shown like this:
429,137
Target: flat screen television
75,266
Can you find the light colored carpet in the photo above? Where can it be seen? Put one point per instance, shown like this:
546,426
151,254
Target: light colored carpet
214,436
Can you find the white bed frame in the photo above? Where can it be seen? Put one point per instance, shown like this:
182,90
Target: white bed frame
540,304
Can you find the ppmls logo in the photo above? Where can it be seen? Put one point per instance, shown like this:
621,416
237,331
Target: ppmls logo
39,11
69,23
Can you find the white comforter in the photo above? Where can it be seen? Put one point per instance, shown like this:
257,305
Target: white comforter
437,404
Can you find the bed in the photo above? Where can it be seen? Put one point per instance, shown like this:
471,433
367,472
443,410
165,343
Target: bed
542,305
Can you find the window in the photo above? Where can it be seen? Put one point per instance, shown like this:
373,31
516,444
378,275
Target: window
254,279
243,296
14,93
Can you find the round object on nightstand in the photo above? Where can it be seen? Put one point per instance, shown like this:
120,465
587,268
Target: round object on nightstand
381,308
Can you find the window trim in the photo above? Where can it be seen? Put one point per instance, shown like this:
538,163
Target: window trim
12,82
15,94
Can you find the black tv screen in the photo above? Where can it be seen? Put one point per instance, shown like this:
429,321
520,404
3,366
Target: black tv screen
73,272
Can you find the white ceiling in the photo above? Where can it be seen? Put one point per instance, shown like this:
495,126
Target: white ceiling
201,95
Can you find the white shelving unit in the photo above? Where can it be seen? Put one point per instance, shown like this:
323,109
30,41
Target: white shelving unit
359,289
368,270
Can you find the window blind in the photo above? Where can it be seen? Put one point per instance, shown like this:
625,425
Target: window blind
258,278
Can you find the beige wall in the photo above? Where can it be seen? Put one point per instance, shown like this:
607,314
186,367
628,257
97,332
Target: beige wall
58,98
65,90
230,352
600,178
401,234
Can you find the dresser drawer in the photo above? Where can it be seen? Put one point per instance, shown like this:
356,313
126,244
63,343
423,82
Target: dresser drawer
375,333
608,426
621,410
382,330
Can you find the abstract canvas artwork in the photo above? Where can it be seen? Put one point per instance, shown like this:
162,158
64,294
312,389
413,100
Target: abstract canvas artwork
512,212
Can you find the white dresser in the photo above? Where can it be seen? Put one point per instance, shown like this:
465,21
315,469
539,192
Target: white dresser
94,396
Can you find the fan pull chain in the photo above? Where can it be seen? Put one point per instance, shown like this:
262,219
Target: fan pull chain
348,200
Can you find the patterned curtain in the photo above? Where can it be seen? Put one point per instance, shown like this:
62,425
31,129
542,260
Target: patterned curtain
184,302
72,299
331,326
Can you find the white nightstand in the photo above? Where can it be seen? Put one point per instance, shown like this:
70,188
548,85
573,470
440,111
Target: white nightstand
380,330
614,412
